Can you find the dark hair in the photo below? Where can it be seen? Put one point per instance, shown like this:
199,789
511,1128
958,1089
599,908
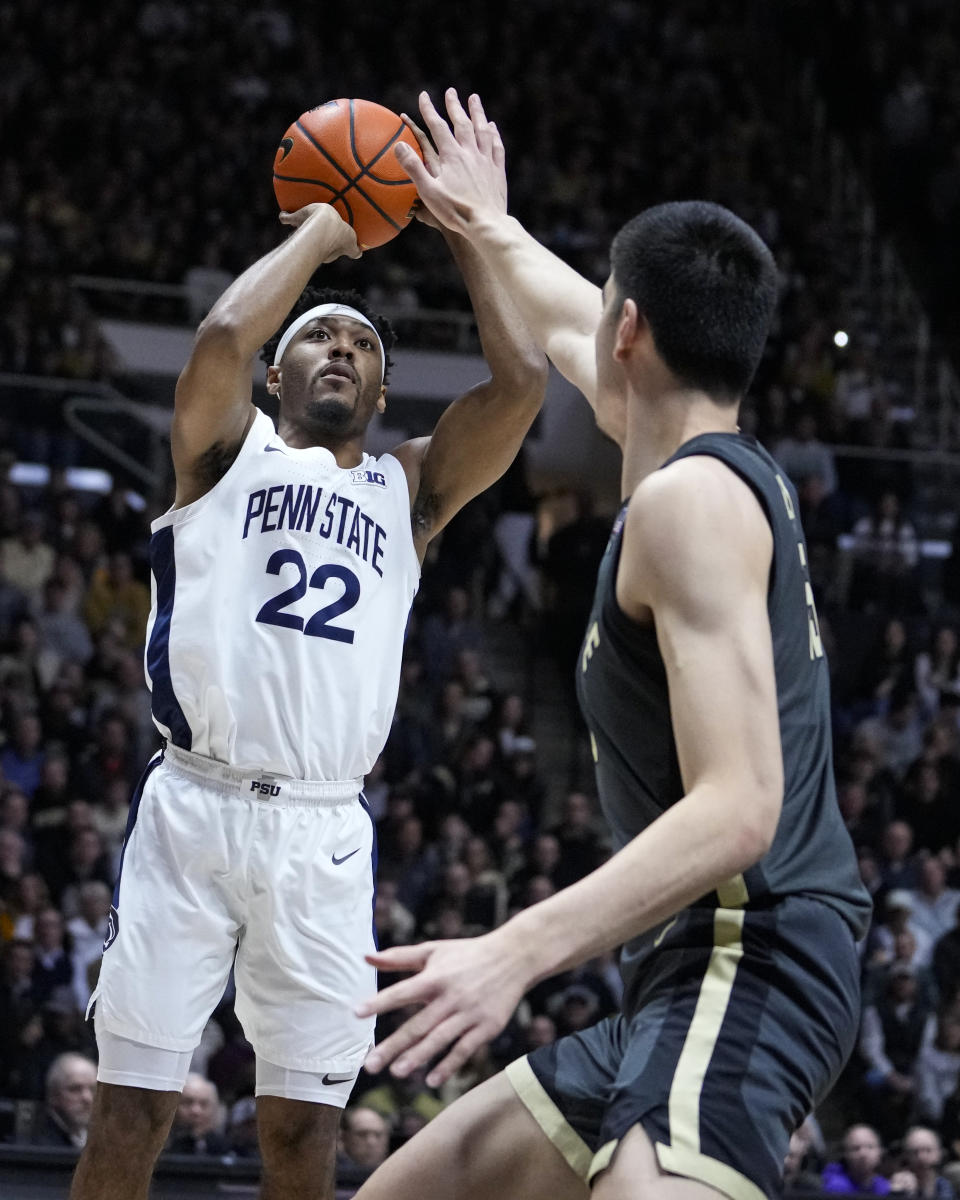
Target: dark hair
310,297
706,285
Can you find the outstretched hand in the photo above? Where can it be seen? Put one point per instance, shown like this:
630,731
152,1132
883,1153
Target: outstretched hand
461,177
469,989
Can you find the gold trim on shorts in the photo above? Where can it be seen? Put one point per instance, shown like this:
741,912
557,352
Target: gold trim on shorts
551,1120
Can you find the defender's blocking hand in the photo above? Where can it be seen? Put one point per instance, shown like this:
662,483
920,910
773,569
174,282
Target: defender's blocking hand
462,177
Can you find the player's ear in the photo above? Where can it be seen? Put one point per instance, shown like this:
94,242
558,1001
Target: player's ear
382,399
273,380
629,326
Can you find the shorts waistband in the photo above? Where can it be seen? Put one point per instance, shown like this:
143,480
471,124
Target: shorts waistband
263,785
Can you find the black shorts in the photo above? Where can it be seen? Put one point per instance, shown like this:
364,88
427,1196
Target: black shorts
744,1033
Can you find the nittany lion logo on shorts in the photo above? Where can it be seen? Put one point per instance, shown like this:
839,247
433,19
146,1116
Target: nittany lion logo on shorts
113,928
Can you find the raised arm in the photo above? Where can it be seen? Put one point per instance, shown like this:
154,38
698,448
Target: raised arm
479,434
213,408
696,553
560,307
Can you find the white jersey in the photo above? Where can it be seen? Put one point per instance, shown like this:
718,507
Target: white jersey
280,603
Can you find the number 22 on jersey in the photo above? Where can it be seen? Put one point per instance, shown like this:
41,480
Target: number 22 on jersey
274,612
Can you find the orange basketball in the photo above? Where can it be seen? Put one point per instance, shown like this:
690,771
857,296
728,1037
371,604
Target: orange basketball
342,152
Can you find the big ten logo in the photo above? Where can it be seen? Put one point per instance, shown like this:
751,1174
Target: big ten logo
590,643
264,787
361,475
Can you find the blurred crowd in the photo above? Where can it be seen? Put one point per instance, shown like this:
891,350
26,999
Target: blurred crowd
138,165
891,72
125,161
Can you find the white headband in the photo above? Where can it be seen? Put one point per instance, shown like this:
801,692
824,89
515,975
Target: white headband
329,310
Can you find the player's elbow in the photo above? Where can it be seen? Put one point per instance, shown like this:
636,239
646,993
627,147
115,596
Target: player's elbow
523,377
758,821
221,332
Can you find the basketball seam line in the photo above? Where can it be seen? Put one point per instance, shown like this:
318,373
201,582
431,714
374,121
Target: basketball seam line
351,182
365,167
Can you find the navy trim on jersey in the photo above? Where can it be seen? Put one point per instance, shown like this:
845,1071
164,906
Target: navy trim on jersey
373,865
113,926
166,706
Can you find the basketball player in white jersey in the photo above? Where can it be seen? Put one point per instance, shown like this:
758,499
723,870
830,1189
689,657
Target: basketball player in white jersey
283,579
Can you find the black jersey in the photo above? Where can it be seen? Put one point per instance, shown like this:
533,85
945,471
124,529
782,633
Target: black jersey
622,686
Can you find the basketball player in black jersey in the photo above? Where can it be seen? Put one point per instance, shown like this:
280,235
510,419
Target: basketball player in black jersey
734,891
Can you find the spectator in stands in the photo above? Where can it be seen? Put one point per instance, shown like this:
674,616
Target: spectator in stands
393,922
898,867
365,1137
885,553
19,1011
413,863
904,954
87,861
934,904
858,1170
445,633
22,760
114,594
863,821
803,455
892,1032
923,1154
27,561
486,901
52,967
898,913
509,838
887,668
58,1028
61,631
897,733
479,695
937,669
69,1089
88,930
198,1125
581,849
522,779
109,756
479,782
32,897
938,1067
930,807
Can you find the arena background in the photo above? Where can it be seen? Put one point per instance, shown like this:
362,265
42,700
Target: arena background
135,183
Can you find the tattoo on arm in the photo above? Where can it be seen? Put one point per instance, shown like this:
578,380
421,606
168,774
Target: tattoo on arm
423,515
214,463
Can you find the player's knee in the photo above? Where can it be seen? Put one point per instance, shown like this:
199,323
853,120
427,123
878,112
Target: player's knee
289,1129
125,1116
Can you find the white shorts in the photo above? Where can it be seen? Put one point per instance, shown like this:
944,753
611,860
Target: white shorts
274,876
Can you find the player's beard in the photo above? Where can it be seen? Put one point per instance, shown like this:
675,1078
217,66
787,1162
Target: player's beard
328,415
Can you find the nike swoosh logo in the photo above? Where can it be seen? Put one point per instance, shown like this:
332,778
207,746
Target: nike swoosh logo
286,146
272,450
664,931
328,1078
337,861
